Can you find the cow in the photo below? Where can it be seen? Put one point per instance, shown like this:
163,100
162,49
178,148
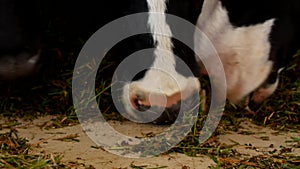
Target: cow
29,29
23,26
253,39
19,39
163,81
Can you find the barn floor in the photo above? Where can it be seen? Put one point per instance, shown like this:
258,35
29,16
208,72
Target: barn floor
80,152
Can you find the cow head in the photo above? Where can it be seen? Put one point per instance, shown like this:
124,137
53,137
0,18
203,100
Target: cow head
169,74
254,41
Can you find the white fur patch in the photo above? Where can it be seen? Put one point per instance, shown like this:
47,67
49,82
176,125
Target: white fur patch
161,32
244,51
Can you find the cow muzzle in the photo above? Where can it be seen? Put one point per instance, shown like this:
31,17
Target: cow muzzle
19,66
159,105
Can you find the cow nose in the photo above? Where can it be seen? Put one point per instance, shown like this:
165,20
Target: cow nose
18,66
139,102
145,102
158,106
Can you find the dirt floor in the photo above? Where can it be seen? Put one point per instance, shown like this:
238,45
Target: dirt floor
250,140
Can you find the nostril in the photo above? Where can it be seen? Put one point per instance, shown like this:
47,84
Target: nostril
140,97
138,101
142,107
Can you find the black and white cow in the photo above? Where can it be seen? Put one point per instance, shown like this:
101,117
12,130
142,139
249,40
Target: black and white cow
164,82
28,26
19,39
20,35
254,40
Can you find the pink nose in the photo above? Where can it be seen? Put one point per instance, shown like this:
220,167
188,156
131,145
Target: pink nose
162,101
143,100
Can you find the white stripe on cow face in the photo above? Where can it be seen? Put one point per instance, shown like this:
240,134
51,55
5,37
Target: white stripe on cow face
158,26
162,77
244,51
161,81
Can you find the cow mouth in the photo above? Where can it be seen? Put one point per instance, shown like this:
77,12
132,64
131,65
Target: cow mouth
167,115
19,66
157,110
